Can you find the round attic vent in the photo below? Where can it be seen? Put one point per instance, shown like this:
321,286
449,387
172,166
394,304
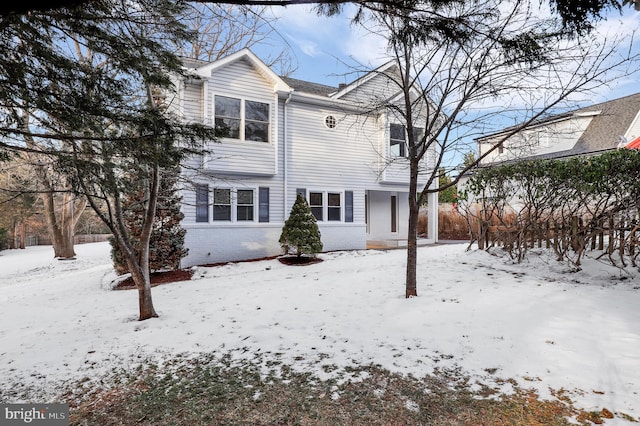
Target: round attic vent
330,121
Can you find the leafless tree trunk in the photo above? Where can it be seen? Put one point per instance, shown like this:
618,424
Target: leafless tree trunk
469,69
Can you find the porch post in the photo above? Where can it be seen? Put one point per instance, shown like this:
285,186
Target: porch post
432,213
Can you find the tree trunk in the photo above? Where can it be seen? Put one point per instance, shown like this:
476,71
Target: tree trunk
412,235
142,280
61,224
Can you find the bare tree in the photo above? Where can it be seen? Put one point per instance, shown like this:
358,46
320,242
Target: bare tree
464,69
222,29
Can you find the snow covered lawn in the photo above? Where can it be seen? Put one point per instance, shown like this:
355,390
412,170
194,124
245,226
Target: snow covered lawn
536,322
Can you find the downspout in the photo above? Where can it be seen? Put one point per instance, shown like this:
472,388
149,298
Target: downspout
285,164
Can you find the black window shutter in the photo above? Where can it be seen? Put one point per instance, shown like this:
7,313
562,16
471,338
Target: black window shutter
348,206
263,204
302,191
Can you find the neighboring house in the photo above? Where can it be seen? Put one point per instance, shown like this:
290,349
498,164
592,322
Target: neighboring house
634,144
284,137
586,131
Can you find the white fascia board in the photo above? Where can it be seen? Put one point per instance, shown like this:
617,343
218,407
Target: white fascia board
278,84
635,124
362,80
324,101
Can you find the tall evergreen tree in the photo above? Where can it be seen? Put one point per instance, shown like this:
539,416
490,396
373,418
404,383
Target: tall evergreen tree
166,246
300,232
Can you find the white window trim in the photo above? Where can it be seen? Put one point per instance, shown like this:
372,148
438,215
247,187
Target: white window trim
242,117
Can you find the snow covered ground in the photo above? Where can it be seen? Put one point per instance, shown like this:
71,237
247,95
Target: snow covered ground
536,322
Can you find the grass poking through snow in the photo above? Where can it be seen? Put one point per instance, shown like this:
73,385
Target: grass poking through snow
223,391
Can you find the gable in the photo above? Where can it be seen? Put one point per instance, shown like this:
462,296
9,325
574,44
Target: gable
250,59
377,86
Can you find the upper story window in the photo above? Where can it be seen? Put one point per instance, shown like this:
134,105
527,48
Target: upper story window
397,141
242,119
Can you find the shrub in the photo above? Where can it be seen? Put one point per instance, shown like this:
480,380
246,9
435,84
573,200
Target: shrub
300,232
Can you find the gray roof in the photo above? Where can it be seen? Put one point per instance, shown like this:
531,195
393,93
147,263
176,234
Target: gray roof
193,63
309,87
604,131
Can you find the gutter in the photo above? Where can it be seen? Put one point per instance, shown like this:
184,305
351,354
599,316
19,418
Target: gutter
285,164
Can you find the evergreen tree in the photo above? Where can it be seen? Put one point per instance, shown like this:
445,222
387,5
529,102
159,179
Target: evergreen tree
166,246
300,232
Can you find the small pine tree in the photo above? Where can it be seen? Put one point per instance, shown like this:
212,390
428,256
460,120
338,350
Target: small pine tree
300,232
166,247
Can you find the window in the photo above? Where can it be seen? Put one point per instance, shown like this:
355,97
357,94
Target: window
222,204
328,206
315,202
330,121
333,207
227,117
242,119
202,203
256,126
397,145
244,208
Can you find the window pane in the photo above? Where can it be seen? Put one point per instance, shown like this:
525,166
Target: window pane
244,209
317,212
256,131
256,111
333,213
417,135
315,199
396,131
230,127
227,107
221,204
222,196
334,200
245,196
245,213
221,212
397,140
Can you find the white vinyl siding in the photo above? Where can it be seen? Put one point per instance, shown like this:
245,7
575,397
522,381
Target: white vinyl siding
239,80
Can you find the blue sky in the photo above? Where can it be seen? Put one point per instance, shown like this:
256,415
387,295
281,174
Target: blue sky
328,50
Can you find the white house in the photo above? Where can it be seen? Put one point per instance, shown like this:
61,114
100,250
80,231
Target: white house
583,132
284,137
587,131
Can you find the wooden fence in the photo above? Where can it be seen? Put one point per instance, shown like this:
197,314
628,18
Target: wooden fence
619,233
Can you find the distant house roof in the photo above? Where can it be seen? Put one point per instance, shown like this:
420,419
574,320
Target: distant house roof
634,144
309,87
611,119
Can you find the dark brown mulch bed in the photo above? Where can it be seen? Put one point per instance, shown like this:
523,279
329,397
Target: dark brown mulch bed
158,278
302,260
